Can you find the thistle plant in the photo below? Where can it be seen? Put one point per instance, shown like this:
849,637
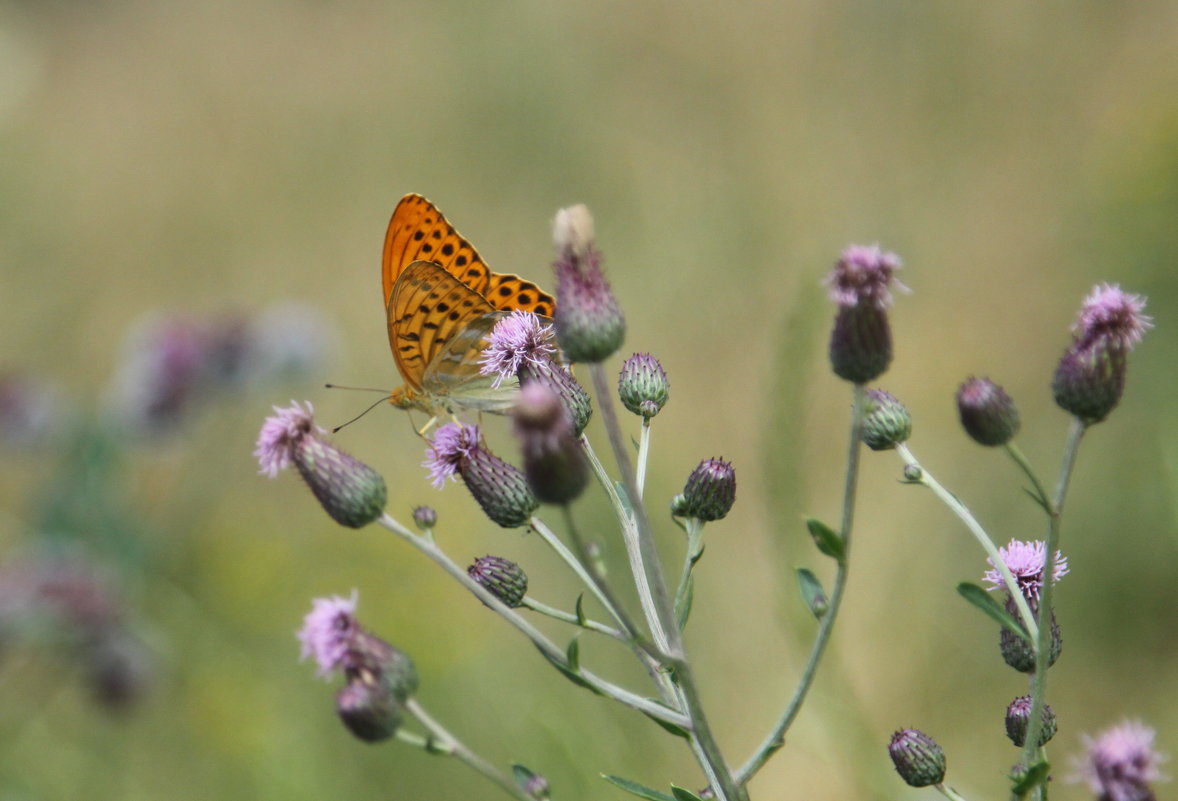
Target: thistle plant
558,465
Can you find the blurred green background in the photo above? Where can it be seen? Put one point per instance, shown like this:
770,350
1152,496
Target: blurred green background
214,158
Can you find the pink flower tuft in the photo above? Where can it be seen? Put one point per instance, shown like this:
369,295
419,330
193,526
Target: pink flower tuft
1025,560
280,433
328,630
1113,315
863,274
518,339
453,445
1120,763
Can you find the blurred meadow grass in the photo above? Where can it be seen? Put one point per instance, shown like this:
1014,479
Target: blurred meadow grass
203,158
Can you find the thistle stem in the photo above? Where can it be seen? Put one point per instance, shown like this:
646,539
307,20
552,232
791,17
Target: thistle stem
546,646
694,549
1024,464
962,511
949,792
1043,641
643,455
776,738
569,617
454,747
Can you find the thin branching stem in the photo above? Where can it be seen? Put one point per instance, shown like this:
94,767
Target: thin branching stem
568,617
643,455
452,746
776,738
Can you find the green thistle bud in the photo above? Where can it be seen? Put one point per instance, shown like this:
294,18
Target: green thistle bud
369,654
369,710
861,344
425,517
589,321
917,757
1020,654
709,493
564,385
1018,719
987,413
500,488
554,463
886,423
643,385
501,577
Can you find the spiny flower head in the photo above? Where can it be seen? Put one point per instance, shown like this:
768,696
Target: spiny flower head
1090,377
498,487
987,413
917,758
709,493
561,382
886,422
643,385
501,577
862,276
518,339
589,321
554,463
1025,562
1018,721
328,630
861,342
351,492
1121,763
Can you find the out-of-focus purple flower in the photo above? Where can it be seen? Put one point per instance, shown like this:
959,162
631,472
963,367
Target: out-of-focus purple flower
161,373
1121,763
589,322
290,340
516,340
1114,315
328,631
863,275
30,409
281,432
1025,561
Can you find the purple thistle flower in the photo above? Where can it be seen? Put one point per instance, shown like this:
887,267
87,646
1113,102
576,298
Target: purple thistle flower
281,432
862,275
516,340
453,444
1121,763
1115,316
1025,561
328,631
554,463
589,322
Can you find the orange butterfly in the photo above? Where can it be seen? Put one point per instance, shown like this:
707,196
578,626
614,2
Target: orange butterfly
442,301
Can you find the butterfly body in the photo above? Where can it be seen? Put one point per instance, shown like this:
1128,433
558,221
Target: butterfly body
441,302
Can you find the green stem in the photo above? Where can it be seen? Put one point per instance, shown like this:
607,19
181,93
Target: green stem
712,761
568,617
1025,465
776,738
452,746
546,646
949,792
643,455
1043,641
962,511
694,547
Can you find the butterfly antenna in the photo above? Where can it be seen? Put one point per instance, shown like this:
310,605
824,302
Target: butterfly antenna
357,417
356,389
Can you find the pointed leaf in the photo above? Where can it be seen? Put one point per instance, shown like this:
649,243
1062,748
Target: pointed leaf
678,731
582,621
815,597
640,790
827,540
1034,777
523,777
684,795
573,652
984,601
571,675
683,611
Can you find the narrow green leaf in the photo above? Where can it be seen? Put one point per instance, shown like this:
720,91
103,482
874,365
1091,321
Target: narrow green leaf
678,731
581,619
827,540
683,610
985,602
571,675
684,795
817,601
625,499
1038,499
640,790
573,652
1034,777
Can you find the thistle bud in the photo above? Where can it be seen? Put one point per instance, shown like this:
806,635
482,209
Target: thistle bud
861,343
425,517
886,423
1018,719
643,385
917,757
1020,654
369,710
553,461
501,577
987,413
351,492
369,654
564,385
589,321
1090,377
499,488
709,493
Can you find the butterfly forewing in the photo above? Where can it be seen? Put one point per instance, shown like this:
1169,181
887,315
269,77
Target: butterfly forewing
510,292
428,308
419,232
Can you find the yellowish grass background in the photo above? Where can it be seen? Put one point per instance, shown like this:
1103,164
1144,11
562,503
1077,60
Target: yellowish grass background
203,157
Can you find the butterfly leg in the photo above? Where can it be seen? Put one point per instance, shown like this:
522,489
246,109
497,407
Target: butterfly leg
421,432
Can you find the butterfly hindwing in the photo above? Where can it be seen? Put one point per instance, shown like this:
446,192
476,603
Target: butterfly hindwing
428,307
